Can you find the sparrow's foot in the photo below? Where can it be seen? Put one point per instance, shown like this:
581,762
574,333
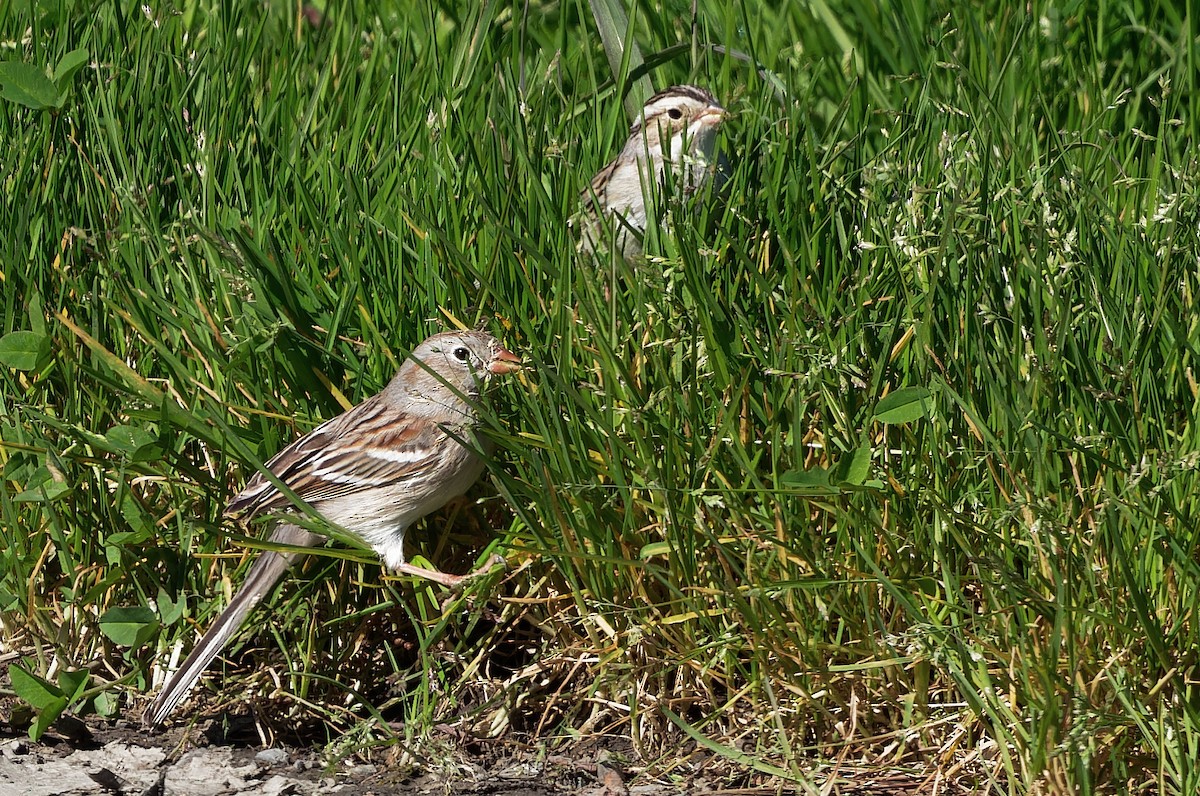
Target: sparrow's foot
453,582
444,578
494,560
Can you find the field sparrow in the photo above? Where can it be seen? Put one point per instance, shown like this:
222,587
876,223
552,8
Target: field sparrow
373,471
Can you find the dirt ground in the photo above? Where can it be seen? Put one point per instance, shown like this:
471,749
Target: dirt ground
119,757
100,756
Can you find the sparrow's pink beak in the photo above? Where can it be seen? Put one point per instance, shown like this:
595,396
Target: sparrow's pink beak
504,361
713,114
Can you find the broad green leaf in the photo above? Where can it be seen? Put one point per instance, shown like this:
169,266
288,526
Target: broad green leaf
27,85
129,627
35,691
813,481
37,316
853,469
903,405
128,438
136,443
141,528
106,704
46,718
42,487
73,683
24,350
169,611
122,538
71,63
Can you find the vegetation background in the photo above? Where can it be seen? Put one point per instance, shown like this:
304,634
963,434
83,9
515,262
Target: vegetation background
886,458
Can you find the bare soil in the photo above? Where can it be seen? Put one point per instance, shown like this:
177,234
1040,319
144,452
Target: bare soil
225,757
119,757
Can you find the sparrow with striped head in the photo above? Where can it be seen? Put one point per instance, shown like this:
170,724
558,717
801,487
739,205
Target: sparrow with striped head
677,129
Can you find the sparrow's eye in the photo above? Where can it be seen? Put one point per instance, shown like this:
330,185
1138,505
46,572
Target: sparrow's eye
461,353
675,113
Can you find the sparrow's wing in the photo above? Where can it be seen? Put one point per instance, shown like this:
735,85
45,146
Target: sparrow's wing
598,187
370,446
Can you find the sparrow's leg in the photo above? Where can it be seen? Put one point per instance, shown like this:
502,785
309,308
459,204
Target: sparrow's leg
449,581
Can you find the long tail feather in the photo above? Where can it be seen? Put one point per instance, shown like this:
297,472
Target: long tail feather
263,575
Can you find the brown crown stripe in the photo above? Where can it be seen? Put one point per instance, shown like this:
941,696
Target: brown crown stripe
694,92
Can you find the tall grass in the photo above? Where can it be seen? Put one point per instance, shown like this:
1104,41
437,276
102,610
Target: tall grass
723,545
